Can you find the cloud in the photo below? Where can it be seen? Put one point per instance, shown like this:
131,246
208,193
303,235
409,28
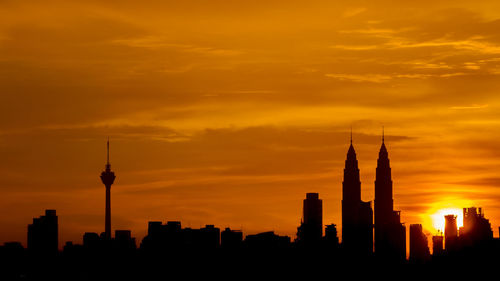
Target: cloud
375,78
487,181
353,12
475,106
381,78
157,42
472,44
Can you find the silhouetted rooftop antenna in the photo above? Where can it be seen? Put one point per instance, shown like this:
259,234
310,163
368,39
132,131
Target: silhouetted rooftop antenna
108,152
108,165
383,134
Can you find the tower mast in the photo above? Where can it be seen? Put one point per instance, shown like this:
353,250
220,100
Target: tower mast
108,178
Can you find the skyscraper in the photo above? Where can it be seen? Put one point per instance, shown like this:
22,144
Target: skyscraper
383,192
476,228
390,234
331,239
311,229
437,244
357,216
419,247
43,234
107,178
450,232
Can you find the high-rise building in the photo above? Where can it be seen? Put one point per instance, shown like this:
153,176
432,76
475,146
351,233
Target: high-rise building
311,228
476,228
450,232
419,247
357,216
331,238
384,213
43,234
108,178
390,233
437,245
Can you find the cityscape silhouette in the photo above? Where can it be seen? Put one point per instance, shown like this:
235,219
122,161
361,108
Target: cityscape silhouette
171,246
233,139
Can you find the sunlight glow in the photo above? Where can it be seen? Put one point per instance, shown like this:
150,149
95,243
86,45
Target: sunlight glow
438,217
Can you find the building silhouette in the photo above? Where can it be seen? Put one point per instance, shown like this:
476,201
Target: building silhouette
390,234
108,178
124,241
266,241
208,237
476,228
91,240
311,229
163,236
331,239
172,237
437,245
43,234
450,233
419,247
231,239
14,252
357,216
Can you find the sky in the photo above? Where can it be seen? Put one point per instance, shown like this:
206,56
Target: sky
228,112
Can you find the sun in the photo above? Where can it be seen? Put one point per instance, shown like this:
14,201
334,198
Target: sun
438,217
433,218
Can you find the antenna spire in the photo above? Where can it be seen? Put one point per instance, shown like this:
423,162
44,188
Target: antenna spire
107,150
107,178
383,134
351,134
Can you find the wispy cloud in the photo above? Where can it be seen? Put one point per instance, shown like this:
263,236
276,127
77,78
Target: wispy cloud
427,65
475,44
151,42
395,42
356,47
353,12
374,78
159,42
474,106
372,31
383,78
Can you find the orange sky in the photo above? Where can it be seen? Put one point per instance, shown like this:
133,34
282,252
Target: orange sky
228,112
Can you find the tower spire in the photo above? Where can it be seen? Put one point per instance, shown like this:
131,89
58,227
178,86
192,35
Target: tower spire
108,178
107,152
383,134
108,165
357,216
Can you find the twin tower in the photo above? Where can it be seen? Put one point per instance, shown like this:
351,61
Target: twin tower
357,215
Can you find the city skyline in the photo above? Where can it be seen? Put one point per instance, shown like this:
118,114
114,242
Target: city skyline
170,245
227,113
310,229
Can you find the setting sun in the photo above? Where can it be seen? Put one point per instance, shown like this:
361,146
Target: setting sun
438,218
